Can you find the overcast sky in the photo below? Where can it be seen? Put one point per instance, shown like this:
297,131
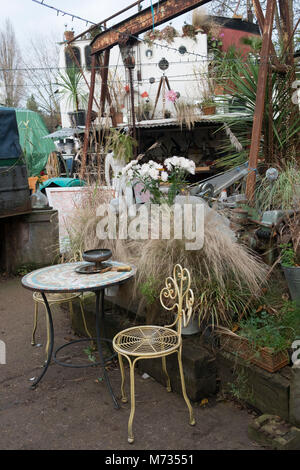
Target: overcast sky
29,17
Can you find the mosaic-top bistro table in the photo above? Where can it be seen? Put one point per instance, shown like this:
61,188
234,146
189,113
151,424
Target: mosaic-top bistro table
63,278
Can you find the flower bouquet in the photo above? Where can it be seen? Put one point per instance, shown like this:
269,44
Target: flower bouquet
154,175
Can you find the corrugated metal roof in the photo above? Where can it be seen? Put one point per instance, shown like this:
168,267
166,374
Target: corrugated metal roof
214,118
65,132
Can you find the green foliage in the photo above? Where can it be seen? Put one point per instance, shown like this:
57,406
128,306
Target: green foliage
71,86
90,353
220,304
255,42
290,316
25,269
279,194
150,290
121,144
31,104
226,64
239,388
273,331
281,118
288,256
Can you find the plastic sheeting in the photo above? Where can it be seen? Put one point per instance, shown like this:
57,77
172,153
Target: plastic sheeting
36,149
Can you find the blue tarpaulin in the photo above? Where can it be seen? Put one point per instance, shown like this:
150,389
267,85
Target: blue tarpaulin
9,135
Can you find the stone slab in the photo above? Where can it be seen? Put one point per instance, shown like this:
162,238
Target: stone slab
273,432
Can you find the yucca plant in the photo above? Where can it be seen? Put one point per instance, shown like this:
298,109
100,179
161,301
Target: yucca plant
71,86
281,119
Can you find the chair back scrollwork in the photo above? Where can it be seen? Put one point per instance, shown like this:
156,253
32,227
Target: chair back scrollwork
178,296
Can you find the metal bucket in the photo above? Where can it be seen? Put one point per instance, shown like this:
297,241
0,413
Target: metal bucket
292,276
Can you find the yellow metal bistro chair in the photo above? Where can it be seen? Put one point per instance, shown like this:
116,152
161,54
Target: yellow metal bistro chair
56,299
148,342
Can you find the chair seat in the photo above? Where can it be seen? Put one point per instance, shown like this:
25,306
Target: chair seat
56,298
147,340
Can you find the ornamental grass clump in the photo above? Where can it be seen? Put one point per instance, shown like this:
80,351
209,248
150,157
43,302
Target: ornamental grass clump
224,272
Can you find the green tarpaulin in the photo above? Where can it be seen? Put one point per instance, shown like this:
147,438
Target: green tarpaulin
31,132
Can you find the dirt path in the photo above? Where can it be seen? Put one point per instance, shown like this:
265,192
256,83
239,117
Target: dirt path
71,409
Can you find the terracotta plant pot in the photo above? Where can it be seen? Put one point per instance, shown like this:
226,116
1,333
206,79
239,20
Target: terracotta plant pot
208,110
265,358
119,118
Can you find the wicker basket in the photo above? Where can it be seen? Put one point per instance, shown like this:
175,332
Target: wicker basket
265,358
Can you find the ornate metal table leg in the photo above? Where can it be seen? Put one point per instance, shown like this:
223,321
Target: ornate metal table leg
51,342
102,361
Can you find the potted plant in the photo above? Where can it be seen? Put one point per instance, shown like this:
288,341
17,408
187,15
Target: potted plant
208,107
189,30
71,87
168,34
262,339
152,35
121,144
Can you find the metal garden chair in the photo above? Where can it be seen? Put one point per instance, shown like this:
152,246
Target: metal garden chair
56,299
148,342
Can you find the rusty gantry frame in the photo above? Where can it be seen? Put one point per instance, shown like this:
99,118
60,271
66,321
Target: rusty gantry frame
122,33
165,10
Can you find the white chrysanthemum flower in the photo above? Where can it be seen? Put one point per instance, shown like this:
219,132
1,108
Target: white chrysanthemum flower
154,173
144,170
164,176
180,163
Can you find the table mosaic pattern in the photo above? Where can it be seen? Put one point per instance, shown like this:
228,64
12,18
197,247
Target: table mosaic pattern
64,278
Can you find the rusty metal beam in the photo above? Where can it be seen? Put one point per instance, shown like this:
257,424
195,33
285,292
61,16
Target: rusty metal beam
261,21
287,32
165,10
260,99
103,22
88,118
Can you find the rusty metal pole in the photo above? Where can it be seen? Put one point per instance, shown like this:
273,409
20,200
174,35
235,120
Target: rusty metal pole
261,21
88,118
287,35
132,105
104,75
105,94
260,100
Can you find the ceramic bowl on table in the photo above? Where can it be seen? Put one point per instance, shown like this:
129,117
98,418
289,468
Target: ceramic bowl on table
97,257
